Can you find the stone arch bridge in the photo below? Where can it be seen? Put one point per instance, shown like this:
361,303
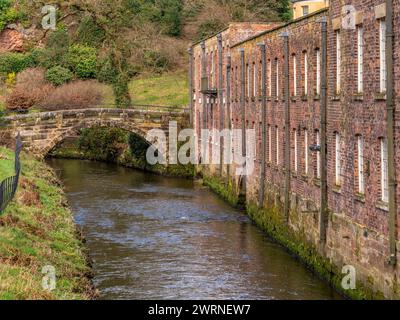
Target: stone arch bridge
41,132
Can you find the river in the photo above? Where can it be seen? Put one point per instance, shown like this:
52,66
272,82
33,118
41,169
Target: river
152,237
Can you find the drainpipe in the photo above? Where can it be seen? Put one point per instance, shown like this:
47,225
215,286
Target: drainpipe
228,110
243,112
264,124
221,101
323,218
190,51
285,36
390,132
204,75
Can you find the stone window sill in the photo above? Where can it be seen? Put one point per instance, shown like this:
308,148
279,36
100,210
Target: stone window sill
359,197
380,96
337,189
359,97
336,97
293,98
304,97
382,206
317,97
317,182
304,178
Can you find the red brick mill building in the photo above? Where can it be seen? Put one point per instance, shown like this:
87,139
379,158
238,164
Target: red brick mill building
321,93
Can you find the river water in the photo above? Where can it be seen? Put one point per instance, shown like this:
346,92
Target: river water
152,237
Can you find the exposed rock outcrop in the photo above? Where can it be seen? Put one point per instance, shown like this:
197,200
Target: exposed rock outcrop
11,40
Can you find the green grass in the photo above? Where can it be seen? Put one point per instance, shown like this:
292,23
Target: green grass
37,230
164,90
6,165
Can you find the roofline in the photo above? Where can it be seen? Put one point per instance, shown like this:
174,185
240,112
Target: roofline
227,27
209,37
281,27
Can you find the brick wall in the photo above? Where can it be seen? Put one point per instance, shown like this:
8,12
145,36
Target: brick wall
357,232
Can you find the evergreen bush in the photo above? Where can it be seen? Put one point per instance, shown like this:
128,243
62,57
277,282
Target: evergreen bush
59,75
82,60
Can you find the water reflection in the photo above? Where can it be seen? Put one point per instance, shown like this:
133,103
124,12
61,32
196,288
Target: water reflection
152,237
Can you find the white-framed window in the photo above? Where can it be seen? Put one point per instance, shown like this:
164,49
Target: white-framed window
318,155
294,75
255,80
338,61
277,145
382,55
360,59
360,160
270,78
269,143
318,75
248,80
305,73
384,171
338,158
277,77
306,151
296,161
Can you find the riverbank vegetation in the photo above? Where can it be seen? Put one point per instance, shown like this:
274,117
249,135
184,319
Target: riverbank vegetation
37,230
114,42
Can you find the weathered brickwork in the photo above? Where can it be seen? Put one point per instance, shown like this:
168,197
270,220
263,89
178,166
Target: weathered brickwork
357,231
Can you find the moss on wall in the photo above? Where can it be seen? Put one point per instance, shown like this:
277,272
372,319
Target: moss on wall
271,220
116,146
226,190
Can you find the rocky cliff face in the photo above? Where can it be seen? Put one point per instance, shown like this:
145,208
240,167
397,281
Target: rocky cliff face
11,40
15,37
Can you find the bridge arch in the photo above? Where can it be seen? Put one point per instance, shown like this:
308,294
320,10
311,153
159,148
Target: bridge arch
75,131
42,132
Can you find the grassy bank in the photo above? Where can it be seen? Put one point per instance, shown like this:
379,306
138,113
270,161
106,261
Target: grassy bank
38,230
164,90
161,90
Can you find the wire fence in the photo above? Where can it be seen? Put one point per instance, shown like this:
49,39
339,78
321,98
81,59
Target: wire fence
8,186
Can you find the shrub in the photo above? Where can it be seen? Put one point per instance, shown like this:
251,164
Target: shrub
59,75
82,60
7,13
74,95
209,27
10,80
40,57
106,73
156,60
89,33
14,62
30,89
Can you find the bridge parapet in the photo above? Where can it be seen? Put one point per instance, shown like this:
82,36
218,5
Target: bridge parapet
41,132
